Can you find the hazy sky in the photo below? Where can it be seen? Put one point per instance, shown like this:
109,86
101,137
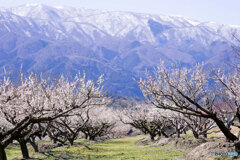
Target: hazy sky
220,11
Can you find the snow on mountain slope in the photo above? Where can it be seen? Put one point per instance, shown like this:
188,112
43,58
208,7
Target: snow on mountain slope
63,22
122,45
117,24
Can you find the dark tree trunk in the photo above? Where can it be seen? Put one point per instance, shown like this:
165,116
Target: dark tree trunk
54,141
2,153
205,135
185,131
86,136
130,132
178,134
91,138
34,145
164,134
152,137
229,135
71,141
24,149
195,134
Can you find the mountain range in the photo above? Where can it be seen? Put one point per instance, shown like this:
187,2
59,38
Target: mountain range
120,45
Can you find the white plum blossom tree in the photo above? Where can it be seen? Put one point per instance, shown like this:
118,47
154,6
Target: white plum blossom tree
101,122
148,119
68,128
184,90
177,121
34,99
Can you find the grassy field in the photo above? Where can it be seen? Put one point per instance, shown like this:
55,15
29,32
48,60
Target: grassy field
117,149
127,148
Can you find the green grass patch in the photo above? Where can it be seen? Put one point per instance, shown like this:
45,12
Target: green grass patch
115,149
13,152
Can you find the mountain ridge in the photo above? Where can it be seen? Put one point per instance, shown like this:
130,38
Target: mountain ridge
36,11
120,45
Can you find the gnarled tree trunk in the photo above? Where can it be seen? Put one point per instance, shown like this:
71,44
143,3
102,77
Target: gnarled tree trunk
195,134
34,145
229,135
178,133
164,134
152,136
71,141
205,134
92,138
24,149
3,155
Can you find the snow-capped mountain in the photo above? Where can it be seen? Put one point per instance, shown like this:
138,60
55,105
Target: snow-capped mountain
121,45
